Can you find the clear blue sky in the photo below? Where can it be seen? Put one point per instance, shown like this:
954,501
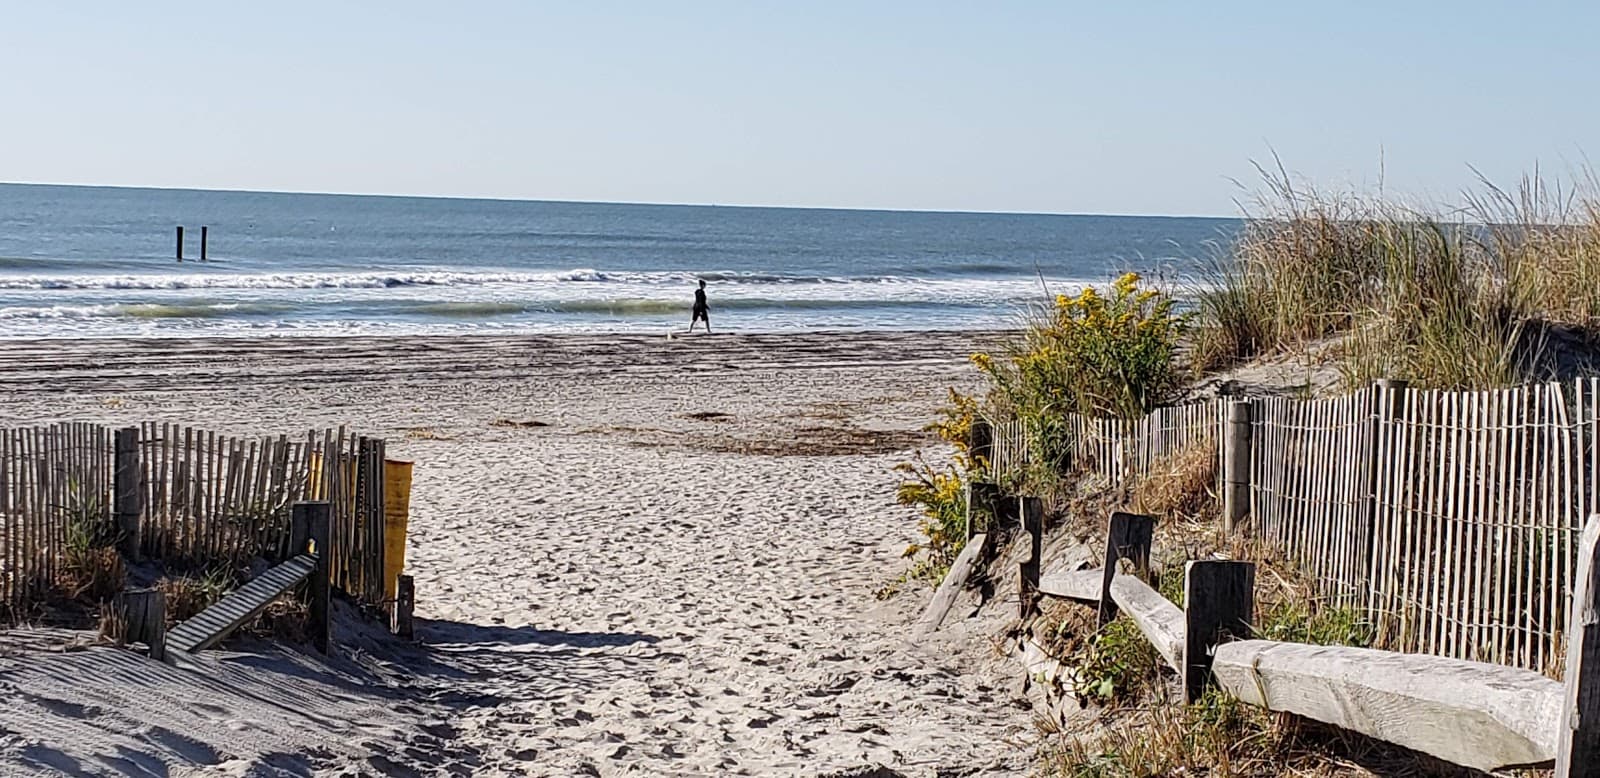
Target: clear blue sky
1135,107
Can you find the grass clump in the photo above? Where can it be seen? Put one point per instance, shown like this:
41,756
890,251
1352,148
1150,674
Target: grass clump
1447,298
91,569
188,596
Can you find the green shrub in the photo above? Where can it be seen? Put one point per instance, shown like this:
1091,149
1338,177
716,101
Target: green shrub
1093,355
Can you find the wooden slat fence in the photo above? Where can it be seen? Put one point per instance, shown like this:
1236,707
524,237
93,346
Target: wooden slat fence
55,490
1115,450
1450,519
204,501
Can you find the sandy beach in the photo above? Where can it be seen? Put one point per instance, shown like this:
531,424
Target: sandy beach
633,555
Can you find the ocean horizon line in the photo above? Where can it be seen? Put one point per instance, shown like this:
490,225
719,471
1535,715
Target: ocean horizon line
648,203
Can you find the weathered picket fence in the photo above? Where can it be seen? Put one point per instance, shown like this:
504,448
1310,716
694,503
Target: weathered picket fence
1450,518
189,498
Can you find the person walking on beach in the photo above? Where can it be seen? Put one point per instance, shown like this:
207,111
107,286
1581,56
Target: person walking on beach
701,310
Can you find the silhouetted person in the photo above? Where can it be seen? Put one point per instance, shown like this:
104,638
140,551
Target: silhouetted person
701,310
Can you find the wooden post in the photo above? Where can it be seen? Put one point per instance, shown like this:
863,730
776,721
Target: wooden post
982,501
309,522
405,607
203,230
1031,509
1218,606
1236,496
145,614
180,243
128,495
1128,536
980,452
1578,747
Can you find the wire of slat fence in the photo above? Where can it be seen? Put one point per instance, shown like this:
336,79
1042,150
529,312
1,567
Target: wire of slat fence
206,501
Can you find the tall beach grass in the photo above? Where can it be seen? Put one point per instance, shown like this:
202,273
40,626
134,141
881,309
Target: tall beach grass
1445,296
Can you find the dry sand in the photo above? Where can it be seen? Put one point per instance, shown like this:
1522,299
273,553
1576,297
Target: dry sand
634,556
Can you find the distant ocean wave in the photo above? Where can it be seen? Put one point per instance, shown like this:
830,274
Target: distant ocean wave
462,309
383,280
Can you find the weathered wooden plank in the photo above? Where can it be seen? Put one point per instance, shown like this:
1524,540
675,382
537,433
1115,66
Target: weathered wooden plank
1472,713
1083,585
1578,752
954,581
233,611
1156,616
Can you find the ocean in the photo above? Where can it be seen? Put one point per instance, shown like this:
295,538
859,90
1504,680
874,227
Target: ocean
100,262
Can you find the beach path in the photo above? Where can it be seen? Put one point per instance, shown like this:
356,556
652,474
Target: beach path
652,558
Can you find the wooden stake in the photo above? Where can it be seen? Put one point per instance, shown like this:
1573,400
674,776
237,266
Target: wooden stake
1218,606
1032,511
405,606
1128,536
180,243
309,522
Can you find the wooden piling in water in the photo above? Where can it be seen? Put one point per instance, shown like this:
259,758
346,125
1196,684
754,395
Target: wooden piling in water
180,243
203,230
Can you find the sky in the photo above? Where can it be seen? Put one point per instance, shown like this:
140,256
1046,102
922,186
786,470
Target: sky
1061,107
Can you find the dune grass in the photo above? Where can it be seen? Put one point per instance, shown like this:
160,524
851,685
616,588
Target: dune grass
1452,297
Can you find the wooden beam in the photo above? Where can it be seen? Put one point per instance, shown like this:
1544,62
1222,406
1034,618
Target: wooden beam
1128,536
1156,616
1218,606
954,581
1083,585
1478,715
1578,753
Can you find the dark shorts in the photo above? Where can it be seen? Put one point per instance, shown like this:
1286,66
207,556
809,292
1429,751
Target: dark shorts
700,311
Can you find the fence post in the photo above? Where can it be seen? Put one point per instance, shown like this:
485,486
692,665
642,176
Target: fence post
1031,510
980,453
1236,498
405,607
127,475
1218,605
1128,536
1389,394
1578,744
309,522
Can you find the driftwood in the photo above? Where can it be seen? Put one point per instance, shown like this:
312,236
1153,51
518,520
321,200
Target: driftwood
1474,714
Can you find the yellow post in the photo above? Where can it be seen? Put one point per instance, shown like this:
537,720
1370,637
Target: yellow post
396,515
